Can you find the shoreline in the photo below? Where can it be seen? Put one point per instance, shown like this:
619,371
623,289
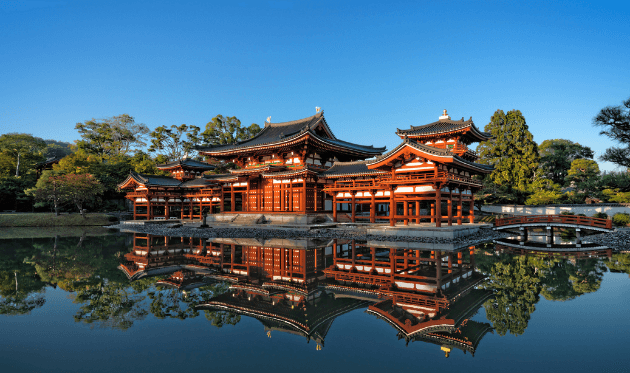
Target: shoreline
618,240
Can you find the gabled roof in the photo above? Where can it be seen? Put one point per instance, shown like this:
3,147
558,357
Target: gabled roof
431,151
444,126
356,168
278,133
150,180
186,163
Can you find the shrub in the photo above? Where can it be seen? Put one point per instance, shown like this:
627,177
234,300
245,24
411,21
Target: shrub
581,214
112,218
567,213
621,219
601,215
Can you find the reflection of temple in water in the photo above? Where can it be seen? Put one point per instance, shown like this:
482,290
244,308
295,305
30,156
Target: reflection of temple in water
301,286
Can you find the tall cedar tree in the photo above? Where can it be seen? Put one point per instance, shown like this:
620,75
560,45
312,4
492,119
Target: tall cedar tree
512,150
556,156
616,123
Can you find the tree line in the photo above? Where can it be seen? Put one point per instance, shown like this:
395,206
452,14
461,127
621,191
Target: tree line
554,171
86,174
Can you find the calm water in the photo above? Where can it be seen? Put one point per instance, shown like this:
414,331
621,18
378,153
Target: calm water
118,302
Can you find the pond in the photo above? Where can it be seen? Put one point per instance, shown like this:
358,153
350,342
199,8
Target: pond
103,301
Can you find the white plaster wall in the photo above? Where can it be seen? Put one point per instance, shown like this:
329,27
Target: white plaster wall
587,210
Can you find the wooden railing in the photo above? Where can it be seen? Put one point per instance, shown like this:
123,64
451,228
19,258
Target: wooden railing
377,183
561,219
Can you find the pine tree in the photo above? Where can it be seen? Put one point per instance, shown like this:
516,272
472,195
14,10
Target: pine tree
512,150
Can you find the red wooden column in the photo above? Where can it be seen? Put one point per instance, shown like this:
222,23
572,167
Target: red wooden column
417,212
354,206
373,206
334,206
246,207
459,208
433,212
233,200
471,217
406,213
166,212
438,206
316,193
392,207
282,197
222,201
303,202
450,207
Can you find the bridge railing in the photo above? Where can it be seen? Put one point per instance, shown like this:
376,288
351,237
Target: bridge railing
562,219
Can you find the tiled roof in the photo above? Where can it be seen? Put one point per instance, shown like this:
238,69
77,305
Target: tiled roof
273,132
431,150
340,169
153,180
370,149
442,126
198,182
187,163
280,132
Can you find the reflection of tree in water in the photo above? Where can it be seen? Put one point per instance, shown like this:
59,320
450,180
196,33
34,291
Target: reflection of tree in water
619,263
69,261
173,303
516,288
112,304
567,279
517,281
20,292
119,304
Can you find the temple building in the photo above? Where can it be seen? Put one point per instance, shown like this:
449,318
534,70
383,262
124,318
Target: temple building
300,168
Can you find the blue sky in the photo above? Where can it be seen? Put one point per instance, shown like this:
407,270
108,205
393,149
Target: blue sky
372,66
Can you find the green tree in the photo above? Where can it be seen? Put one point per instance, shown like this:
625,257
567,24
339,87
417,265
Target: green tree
615,121
19,153
512,150
50,188
582,170
175,142
111,137
556,157
81,189
221,130
544,192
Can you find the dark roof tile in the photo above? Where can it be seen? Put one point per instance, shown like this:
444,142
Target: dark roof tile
187,163
442,126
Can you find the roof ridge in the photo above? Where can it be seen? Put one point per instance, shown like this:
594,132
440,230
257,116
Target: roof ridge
282,124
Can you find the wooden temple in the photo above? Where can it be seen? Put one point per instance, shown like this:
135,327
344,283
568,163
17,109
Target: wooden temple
300,167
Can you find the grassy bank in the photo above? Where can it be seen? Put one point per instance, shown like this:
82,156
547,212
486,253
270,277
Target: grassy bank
50,220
